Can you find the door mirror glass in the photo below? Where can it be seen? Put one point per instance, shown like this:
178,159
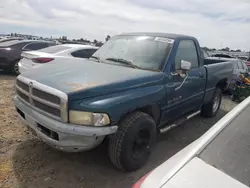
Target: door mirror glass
185,65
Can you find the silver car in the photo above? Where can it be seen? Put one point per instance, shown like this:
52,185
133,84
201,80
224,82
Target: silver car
239,67
218,159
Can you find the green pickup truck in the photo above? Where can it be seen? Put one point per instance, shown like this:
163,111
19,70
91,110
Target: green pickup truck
136,86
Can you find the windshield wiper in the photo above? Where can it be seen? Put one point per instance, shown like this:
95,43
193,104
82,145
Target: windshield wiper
123,61
97,58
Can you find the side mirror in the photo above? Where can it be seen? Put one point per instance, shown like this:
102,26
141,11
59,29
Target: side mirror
185,65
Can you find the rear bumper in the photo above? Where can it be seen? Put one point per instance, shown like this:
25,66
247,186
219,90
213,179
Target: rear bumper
62,136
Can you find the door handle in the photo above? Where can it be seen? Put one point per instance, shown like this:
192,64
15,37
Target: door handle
200,75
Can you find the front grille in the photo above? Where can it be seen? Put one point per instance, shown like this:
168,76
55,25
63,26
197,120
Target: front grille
23,96
22,85
46,96
39,99
46,108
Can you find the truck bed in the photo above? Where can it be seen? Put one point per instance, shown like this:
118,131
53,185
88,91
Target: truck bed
219,71
214,60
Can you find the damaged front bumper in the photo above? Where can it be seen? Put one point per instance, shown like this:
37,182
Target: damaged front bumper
62,136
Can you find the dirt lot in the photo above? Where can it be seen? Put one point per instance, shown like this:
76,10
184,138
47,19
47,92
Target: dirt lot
26,162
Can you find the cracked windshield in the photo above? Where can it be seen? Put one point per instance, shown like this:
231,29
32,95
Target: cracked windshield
124,94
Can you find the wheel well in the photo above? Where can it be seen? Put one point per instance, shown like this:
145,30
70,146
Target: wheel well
222,84
153,110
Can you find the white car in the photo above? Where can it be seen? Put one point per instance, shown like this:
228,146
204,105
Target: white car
31,59
218,159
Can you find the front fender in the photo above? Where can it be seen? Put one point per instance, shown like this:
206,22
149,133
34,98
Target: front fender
118,104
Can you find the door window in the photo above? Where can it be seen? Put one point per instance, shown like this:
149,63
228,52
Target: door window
186,51
86,53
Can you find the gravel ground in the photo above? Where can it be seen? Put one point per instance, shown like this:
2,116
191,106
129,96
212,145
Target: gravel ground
26,162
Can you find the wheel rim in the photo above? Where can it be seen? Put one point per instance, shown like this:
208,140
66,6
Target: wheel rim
216,103
16,68
141,144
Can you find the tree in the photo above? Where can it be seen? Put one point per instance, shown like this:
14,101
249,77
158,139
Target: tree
64,38
107,38
238,50
225,49
95,41
99,44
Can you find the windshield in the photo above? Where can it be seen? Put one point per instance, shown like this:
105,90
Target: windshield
54,49
142,51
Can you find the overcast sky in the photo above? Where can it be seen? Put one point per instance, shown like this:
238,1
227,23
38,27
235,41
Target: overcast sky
216,23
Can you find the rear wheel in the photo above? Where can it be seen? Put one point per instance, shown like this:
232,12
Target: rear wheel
130,147
212,108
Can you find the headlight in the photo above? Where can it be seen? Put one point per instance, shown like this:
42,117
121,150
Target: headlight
88,118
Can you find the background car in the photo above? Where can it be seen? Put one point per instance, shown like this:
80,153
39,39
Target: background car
205,53
239,67
220,158
10,39
221,55
33,59
248,63
10,52
244,58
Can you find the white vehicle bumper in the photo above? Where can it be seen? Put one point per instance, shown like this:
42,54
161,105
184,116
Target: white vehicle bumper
23,68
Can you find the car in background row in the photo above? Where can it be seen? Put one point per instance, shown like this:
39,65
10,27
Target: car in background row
205,53
244,58
38,58
220,158
239,67
248,63
221,55
10,52
10,39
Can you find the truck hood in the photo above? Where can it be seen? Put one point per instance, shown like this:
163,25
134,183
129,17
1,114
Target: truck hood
84,78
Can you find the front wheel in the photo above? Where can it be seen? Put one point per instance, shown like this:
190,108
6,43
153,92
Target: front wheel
212,108
15,68
130,147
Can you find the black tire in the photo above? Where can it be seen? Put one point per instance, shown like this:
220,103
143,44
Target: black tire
208,110
124,151
14,68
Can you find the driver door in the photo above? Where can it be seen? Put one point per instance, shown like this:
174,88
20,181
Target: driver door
182,95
